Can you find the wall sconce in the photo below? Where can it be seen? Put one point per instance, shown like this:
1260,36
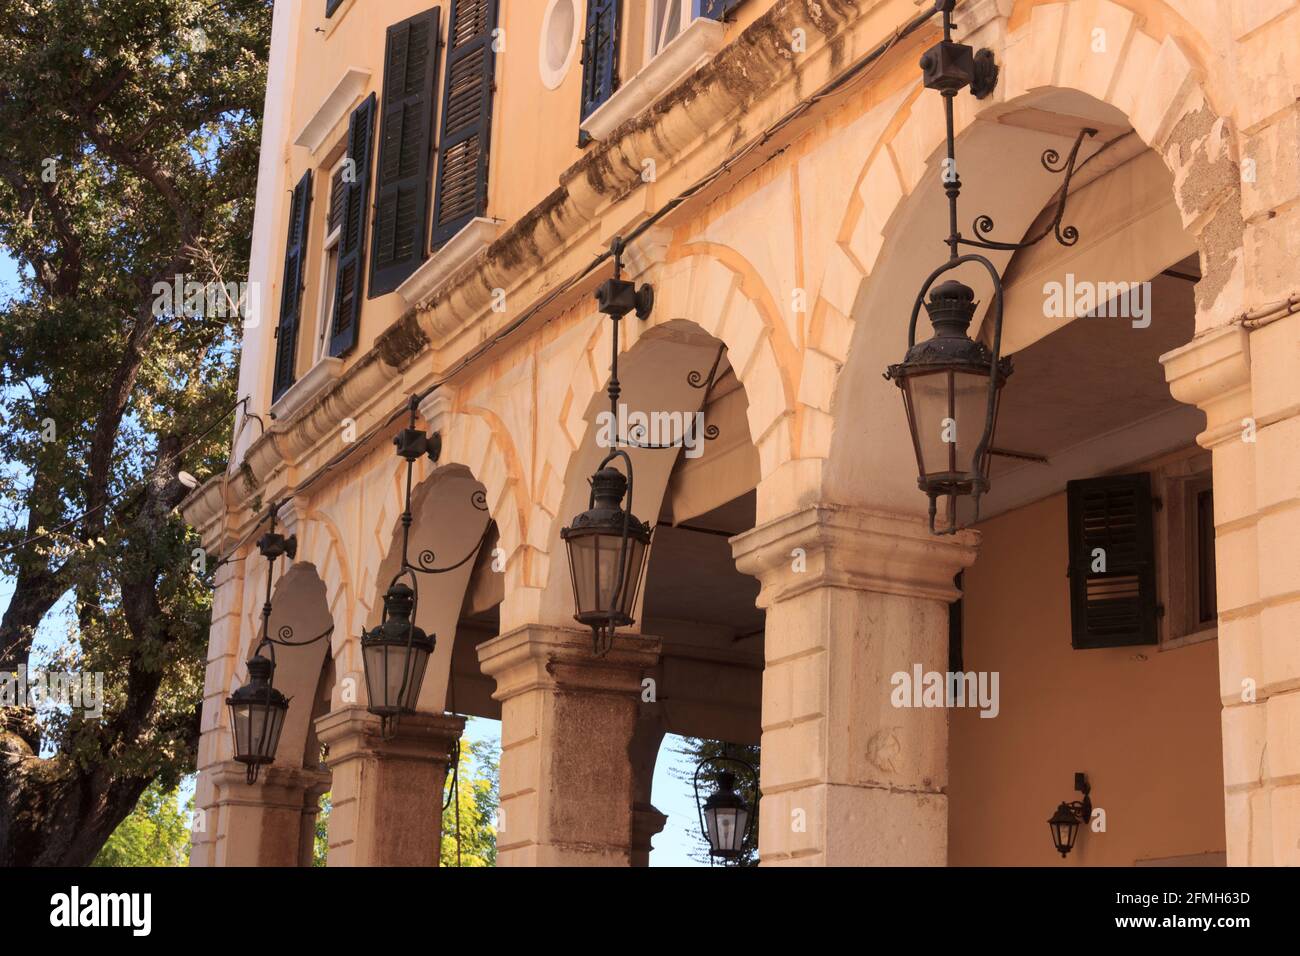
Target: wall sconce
1068,816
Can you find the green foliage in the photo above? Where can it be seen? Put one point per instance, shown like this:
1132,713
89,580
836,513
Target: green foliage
478,796
129,139
696,749
156,833
320,849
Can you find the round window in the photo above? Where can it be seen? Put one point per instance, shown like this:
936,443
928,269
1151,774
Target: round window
559,41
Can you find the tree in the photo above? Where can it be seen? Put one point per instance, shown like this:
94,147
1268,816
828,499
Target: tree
155,833
129,135
696,749
478,792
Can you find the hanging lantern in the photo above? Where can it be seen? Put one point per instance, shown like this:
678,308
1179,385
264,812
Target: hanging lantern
607,548
726,817
395,655
257,716
950,392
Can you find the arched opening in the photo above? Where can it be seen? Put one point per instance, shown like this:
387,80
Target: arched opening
1083,640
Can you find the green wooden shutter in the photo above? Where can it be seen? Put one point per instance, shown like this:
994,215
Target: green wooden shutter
295,249
1110,520
350,278
600,53
466,118
403,180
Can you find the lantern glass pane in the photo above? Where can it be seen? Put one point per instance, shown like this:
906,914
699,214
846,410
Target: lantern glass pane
726,826
948,411
593,562
256,727
388,667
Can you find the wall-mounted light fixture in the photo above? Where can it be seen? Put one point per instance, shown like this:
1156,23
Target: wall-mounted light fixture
1065,822
951,383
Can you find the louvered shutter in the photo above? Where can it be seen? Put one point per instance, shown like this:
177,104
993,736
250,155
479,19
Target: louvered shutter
402,182
716,9
466,118
350,279
295,249
600,53
1110,520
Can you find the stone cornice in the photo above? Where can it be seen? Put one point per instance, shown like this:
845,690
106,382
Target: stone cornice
858,548
1212,372
354,732
535,656
276,785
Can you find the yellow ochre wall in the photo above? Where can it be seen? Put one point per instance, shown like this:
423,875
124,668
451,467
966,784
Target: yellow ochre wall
1142,723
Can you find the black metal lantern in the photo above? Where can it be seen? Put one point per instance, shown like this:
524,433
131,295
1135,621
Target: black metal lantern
607,548
951,384
727,819
257,712
1065,822
395,655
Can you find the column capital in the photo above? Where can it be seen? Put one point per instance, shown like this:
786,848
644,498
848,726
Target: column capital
862,549
276,786
436,407
1212,372
353,733
537,656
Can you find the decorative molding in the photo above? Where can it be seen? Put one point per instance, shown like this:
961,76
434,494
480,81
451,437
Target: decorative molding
536,656
436,409
354,732
334,108
1212,372
693,46
320,377
858,548
425,282
277,786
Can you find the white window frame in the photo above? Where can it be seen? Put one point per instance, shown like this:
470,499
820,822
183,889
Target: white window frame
657,39
328,275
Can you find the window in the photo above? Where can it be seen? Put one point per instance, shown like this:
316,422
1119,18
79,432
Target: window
1207,603
600,53
402,188
558,42
286,332
668,18
330,257
461,193
331,6
1112,561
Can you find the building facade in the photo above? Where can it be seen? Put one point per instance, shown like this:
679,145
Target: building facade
440,182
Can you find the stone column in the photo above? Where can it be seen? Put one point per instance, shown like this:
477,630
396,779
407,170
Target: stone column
568,719
262,824
386,799
214,739
1246,383
852,596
